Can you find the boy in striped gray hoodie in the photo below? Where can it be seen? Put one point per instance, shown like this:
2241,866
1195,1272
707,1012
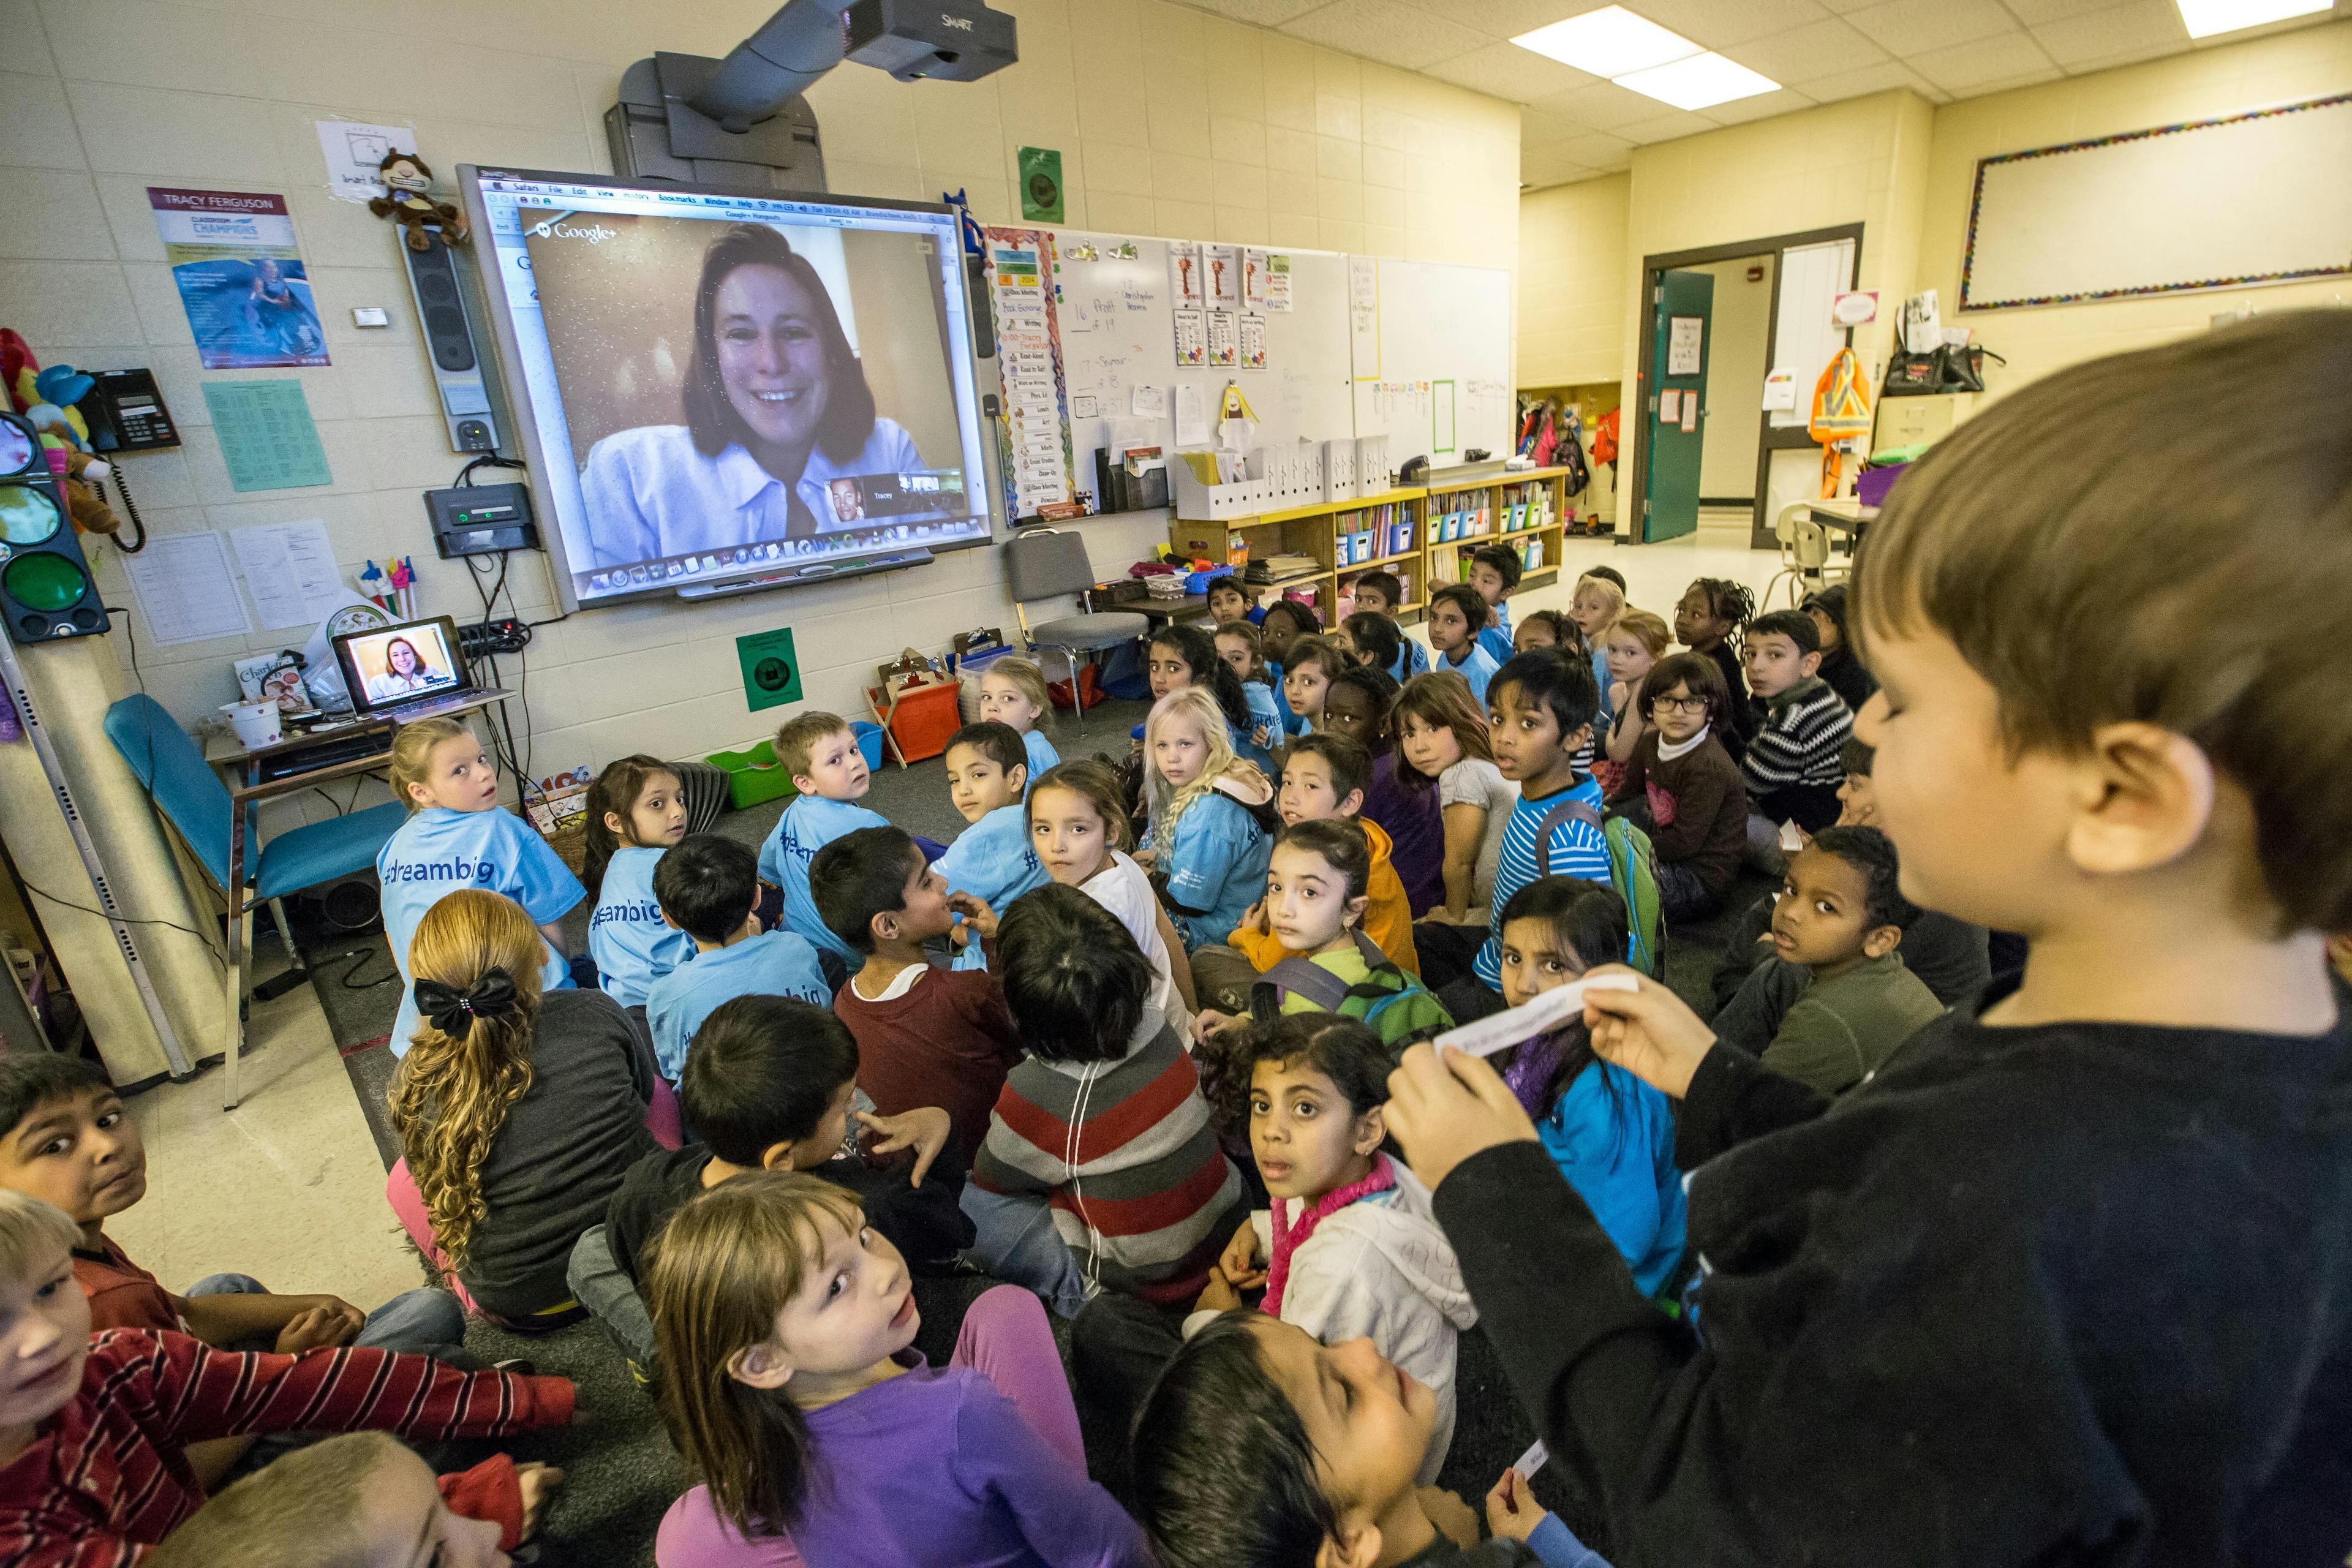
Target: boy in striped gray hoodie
1100,1170
1791,765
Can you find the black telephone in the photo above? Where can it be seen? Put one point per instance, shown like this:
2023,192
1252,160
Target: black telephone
125,413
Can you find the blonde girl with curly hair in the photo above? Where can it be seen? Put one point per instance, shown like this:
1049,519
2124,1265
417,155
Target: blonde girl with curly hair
1211,815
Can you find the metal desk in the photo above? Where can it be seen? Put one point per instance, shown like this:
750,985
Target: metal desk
246,789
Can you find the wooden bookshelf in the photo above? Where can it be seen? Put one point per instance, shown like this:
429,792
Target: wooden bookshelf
1315,531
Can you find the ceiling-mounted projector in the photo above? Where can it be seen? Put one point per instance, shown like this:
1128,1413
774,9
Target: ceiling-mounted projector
743,120
928,40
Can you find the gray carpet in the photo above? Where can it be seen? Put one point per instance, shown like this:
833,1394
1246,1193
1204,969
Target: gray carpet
623,1471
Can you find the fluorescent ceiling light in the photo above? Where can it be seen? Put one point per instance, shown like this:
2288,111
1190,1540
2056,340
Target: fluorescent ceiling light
2206,17
1612,41
1704,79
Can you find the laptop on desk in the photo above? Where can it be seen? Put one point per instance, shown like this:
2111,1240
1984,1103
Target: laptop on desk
411,670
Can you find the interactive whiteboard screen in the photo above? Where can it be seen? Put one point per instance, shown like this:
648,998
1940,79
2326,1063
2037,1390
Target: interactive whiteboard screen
2260,197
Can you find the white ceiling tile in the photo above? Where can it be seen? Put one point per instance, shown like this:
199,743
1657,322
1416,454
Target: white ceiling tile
1549,167
1817,50
1666,127
2101,36
2040,13
1603,106
1261,12
1506,70
1974,66
1908,27
1718,23
1387,31
1507,19
1603,152
1879,77
1763,106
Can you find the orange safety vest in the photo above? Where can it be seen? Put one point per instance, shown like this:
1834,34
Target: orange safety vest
1841,413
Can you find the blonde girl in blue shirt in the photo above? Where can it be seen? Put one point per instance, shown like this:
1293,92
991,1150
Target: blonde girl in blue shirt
456,836
1209,840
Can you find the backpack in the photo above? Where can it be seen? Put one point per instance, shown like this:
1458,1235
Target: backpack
1391,1003
1632,873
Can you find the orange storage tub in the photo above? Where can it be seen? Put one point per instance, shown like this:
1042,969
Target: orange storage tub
920,720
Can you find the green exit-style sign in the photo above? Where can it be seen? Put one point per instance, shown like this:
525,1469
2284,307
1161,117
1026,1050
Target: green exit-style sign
771,670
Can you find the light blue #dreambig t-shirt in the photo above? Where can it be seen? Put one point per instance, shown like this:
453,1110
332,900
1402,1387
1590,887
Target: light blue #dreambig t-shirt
438,851
1478,668
632,945
808,824
992,861
773,963
1042,756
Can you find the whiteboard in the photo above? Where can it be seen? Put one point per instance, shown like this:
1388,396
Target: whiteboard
1117,316
1432,358
2263,197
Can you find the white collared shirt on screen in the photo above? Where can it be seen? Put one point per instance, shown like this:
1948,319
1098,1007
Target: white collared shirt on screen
650,494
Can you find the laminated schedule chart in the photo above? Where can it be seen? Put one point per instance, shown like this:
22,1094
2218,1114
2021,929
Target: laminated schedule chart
1034,439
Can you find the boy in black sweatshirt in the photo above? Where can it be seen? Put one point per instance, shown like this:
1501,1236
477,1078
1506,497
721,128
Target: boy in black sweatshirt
2069,1279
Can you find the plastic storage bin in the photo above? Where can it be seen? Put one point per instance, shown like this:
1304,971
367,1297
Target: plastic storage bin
921,721
754,775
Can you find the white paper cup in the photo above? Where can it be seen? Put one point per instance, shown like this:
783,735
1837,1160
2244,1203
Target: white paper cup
257,722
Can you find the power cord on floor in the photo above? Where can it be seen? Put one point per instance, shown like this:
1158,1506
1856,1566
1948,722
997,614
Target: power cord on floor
359,961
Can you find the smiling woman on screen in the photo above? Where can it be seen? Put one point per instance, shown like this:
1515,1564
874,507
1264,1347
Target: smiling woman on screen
776,410
405,673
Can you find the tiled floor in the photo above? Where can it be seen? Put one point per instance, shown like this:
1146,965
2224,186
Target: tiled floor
288,1186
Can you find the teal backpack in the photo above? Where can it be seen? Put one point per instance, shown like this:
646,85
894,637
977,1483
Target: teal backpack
1632,872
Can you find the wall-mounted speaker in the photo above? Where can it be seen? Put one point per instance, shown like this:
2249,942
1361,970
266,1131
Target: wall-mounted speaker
453,326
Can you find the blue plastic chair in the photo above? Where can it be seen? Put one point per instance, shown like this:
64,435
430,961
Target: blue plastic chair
195,803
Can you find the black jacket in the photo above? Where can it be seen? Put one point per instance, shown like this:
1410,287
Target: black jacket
2079,1293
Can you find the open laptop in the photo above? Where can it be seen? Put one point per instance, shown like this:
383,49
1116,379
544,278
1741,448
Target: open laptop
394,672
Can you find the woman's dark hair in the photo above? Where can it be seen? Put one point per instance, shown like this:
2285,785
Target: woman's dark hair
1303,619
615,790
1696,671
1442,701
848,401
1075,982
1731,602
1377,641
1548,679
1227,1474
1872,853
1198,650
1589,918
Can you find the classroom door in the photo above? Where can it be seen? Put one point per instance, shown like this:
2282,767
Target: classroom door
1678,434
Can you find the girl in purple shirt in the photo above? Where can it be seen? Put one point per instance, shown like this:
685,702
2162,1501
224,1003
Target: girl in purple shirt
784,1329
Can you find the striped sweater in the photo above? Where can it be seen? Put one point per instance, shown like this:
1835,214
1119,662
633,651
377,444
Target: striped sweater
1804,729
1576,849
1126,1158
106,1476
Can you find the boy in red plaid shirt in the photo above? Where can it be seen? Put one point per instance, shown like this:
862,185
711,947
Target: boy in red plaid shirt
92,1431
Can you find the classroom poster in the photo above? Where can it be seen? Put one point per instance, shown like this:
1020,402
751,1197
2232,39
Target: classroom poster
1186,291
1253,342
268,439
1192,337
1224,338
771,669
1033,438
355,153
1277,282
241,279
1041,187
1253,279
1223,264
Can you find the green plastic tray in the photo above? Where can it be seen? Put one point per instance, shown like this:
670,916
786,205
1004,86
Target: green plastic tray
752,776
